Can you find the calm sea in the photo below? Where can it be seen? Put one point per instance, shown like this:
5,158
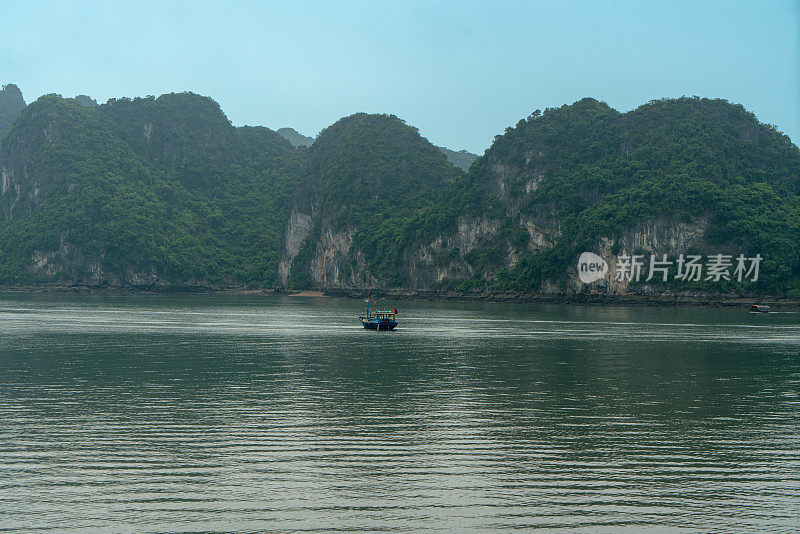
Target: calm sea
260,414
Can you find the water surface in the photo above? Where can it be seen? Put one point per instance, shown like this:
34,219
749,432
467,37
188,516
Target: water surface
259,414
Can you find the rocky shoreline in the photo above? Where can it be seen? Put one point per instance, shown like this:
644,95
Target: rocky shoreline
662,300
689,300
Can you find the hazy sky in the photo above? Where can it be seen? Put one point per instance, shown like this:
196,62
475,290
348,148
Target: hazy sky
459,71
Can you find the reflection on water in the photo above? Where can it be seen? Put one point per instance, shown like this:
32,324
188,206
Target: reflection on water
142,414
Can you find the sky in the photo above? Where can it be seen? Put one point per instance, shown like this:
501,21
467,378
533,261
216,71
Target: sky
461,72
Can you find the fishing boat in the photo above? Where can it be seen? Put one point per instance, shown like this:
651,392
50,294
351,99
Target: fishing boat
759,308
379,319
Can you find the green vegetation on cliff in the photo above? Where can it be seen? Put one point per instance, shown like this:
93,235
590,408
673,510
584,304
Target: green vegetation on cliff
376,176
166,192
597,171
145,191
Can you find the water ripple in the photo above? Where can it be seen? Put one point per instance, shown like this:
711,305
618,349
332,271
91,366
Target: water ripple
188,414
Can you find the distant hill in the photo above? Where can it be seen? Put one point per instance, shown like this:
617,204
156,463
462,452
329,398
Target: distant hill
86,100
11,105
295,137
461,159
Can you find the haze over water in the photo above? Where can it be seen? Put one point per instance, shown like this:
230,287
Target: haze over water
259,414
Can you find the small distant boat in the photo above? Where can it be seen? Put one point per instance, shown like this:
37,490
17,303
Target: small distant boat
379,319
759,308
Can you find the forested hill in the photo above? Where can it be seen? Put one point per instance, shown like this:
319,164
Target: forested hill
668,177
165,192
150,191
461,159
686,176
375,189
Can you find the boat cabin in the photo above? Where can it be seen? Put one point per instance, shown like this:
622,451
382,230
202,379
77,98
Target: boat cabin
379,320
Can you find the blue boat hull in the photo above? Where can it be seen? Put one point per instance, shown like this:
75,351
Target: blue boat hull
378,325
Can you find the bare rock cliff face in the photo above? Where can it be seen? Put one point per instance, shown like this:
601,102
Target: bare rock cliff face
329,257
445,258
297,229
336,265
659,236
